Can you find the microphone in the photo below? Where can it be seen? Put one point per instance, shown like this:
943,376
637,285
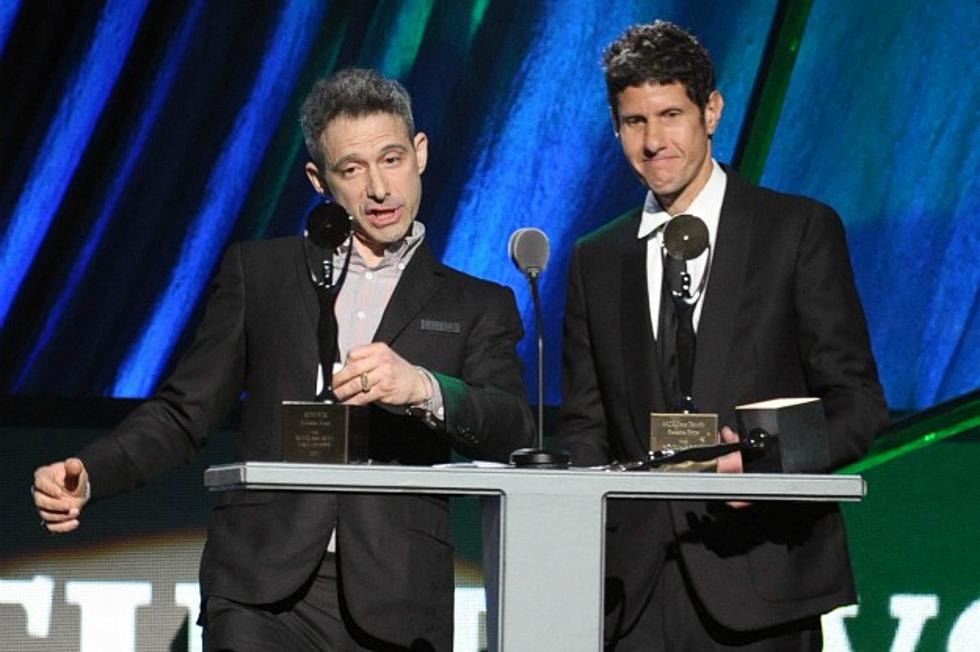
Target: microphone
528,248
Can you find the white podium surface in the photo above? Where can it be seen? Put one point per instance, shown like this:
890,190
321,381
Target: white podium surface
552,525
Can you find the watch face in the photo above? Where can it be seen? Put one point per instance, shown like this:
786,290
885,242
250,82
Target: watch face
424,412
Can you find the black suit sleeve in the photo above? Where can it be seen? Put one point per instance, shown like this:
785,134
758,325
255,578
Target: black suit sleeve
487,415
171,427
833,337
583,419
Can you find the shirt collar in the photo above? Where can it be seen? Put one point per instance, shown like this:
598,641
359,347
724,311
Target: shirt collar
397,252
706,203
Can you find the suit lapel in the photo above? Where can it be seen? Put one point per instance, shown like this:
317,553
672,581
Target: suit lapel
417,284
723,296
306,290
295,310
641,364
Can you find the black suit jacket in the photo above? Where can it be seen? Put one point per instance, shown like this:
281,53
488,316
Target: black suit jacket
781,318
259,336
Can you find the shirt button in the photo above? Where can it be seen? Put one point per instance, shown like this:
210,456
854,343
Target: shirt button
401,266
360,314
369,276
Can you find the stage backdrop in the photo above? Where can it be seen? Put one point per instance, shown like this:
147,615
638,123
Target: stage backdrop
139,137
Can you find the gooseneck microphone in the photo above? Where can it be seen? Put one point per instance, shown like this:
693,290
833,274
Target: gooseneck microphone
528,248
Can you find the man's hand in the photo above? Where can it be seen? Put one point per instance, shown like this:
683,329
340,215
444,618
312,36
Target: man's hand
376,373
731,463
60,492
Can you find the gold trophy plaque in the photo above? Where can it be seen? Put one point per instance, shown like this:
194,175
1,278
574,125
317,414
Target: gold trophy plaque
324,433
677,431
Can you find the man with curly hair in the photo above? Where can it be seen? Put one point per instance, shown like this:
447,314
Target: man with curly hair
779,317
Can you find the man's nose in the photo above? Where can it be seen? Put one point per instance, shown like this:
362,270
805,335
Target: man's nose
653,140
377,185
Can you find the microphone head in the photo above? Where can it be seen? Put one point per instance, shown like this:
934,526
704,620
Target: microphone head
528,248
685,237
328,225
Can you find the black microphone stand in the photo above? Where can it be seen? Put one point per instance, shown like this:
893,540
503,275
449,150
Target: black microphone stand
539,457
532,278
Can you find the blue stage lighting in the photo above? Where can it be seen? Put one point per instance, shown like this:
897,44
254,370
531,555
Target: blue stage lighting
158,93
226,189
86,93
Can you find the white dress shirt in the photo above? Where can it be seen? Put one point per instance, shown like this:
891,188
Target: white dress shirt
707,206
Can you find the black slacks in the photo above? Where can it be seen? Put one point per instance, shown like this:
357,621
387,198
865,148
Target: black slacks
312,620
674,620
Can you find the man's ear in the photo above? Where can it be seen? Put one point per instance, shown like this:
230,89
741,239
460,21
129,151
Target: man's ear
421,144
712,111
313,174
614,116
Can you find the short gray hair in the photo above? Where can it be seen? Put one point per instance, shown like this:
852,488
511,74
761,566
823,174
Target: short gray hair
351,93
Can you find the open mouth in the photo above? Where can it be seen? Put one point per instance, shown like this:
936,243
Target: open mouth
384,216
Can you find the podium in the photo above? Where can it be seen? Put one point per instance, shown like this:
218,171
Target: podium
552,525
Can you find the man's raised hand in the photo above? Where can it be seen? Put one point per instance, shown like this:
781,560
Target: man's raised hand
60,492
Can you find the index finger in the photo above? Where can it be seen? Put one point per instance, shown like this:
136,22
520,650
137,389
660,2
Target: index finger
366,351
347,373
360,359
728,435
46,483
45,503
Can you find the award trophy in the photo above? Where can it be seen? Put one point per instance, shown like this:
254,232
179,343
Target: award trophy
783,435
325,431
685,237
798,429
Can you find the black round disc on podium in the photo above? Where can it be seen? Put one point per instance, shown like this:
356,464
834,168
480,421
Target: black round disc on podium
539,458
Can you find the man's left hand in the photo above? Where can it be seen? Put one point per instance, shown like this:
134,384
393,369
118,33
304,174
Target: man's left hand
731,463
374,372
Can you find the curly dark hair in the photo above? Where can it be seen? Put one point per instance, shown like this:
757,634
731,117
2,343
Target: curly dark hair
659,52
351,93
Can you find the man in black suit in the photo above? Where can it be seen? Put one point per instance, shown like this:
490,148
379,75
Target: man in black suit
779,317
431,350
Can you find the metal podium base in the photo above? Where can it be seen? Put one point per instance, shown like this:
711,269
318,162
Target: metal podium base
551,530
